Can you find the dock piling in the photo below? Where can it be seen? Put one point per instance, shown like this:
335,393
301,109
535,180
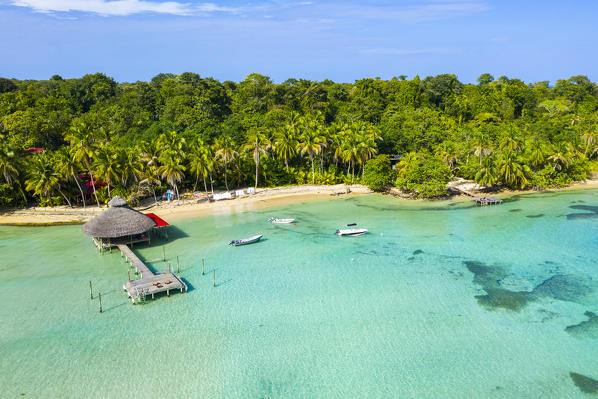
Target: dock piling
163,254
178,269
100,296
202,266
90,291
214,277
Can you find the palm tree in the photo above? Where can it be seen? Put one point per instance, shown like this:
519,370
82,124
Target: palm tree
83,142
311,143
561,156
67,166
257,144
148,153
285,144
199,163
9,164
589,138
511,171
535,149
106,166
171,141
172,169
226,153
482,146
129,164
487,173
42,178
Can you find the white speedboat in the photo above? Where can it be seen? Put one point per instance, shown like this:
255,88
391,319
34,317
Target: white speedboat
246,241
351,232
281,221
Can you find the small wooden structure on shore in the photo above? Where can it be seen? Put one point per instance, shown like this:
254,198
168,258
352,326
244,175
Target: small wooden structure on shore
488,200
480,200
120,225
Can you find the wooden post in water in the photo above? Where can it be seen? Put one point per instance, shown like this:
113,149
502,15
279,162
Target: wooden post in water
202,266
100,296
169,267
178,269
129,272
163,254
214,277
90,291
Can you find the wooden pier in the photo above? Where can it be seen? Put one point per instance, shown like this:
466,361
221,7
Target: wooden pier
480,200
488,200
149,284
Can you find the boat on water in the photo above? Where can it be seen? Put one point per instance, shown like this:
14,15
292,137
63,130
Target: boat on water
281,221
350,232
246,241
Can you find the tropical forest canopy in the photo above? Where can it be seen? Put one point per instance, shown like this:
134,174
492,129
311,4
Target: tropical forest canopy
186,132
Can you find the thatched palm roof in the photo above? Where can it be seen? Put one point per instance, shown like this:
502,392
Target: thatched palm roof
118,221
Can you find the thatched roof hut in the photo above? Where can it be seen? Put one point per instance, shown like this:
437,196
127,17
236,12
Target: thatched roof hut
118,221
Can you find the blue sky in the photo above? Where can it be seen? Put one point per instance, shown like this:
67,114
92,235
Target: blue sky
340,40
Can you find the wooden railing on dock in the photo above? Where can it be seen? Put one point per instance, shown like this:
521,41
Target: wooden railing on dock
149,283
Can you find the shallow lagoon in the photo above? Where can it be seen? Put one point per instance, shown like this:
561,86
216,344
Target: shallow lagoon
442,299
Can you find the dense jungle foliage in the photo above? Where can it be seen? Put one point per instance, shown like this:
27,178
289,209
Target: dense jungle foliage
186,132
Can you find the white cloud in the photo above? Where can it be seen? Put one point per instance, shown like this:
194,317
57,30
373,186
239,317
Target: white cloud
121,7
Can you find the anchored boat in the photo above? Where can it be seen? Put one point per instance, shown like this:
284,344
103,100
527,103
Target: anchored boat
281,221
351,232
246,241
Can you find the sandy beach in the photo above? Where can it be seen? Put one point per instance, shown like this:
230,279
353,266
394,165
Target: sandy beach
190,208
187,208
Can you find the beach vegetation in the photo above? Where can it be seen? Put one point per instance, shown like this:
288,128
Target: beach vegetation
79,141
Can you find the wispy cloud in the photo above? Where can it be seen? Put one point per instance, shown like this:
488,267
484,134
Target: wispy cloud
121,7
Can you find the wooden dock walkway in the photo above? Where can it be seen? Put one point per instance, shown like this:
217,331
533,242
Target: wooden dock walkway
149,283
480,200
135,261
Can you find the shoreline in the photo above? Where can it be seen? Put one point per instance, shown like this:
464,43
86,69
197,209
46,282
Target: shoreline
263,198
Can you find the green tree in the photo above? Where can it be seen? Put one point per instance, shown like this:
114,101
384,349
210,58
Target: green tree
378,173
225,151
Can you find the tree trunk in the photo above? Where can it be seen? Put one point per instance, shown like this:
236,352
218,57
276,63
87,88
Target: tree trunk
65,197
352,171
196,180
286,164
313,172
211,183
257,166
80,189
205,186
93,184
225,177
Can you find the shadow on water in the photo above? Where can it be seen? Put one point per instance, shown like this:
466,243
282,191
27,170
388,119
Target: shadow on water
593,214
515,210
585,329
224,282
535,216
560,287
584,383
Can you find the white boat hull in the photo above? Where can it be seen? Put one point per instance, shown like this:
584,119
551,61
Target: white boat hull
245,241
281,221
351,232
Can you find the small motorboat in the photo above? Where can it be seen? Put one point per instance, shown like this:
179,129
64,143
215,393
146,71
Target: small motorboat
350,232
281,221
246,241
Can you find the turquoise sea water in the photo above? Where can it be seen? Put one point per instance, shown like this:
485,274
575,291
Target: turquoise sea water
440,300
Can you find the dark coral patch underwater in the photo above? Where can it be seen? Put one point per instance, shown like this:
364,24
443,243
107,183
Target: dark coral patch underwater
584,383
560,287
